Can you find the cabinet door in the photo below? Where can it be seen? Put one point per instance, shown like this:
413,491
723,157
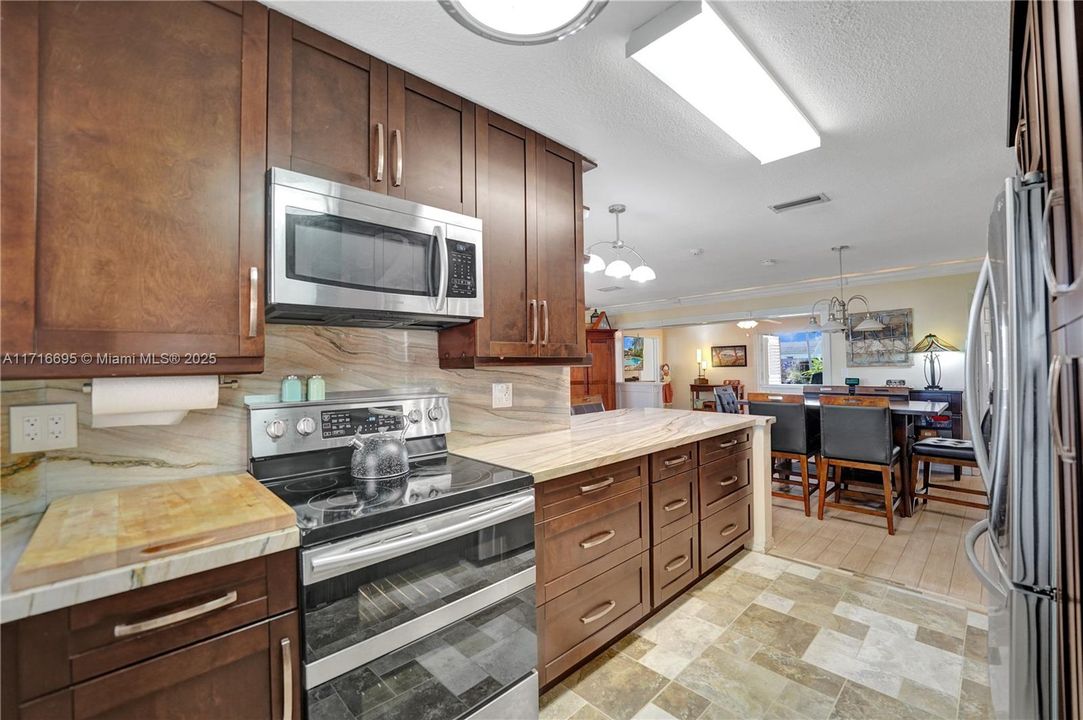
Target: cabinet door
431,144
506,172
1029,136
249,673
602,373
560,252
327,107
133,185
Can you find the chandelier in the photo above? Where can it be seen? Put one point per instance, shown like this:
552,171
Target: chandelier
838,309
618,267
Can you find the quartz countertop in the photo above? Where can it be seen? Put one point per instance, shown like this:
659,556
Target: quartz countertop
599,439
16,533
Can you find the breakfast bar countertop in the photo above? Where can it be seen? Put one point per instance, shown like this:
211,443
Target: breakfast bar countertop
598,439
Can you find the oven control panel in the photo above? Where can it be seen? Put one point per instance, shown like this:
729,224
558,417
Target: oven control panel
277,428
463,270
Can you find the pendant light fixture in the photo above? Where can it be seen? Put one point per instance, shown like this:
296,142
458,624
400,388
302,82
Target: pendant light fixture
524,22
618,267
838,309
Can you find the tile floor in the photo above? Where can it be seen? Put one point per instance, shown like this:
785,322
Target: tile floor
765,637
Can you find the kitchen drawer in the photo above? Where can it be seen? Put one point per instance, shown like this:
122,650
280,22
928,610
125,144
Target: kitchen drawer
674,505
667,463
722,481
725,532
589,617
724,445
75,644
578,546
568,494
674,565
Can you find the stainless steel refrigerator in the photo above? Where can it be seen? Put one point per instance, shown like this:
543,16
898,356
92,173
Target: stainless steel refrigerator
1007,363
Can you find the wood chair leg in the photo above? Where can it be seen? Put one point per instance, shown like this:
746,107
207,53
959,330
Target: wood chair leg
914,465
957,471
839,472
889,512
824,474
925,481
804,485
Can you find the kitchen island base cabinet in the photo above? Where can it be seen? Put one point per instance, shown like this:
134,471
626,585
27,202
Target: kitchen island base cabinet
724,533
674,565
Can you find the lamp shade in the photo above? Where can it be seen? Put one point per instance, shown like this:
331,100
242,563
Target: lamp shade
618,269
594,263
869,324
933,343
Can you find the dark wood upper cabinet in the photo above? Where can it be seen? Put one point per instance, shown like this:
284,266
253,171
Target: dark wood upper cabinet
134,150
430,144
326,107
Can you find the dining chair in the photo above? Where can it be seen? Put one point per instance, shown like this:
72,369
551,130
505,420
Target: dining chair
795,436
856,435
726,399
588,404
946,451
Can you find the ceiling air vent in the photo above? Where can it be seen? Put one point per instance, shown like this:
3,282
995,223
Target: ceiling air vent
799,203
611,288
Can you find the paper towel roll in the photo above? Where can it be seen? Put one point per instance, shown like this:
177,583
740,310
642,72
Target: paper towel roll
117,402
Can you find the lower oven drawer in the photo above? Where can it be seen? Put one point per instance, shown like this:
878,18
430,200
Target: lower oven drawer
587,618
725,532
456,671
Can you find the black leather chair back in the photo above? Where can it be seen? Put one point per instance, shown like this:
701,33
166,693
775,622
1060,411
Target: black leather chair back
585,408
726,399
855,432
794,431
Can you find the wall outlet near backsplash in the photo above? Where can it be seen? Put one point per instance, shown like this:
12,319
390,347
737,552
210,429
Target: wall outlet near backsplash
37,428
501,395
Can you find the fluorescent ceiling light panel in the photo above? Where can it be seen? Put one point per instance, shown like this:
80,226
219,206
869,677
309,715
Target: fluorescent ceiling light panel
691,49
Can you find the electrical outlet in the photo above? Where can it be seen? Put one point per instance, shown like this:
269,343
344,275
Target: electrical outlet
501,395
36,428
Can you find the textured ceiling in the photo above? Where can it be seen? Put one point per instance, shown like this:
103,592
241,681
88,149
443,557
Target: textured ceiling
909,99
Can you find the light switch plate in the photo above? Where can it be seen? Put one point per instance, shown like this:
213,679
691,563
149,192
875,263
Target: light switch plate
36,428
501,395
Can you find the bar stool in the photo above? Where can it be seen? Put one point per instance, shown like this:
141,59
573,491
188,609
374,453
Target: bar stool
856,434
726,399
794,436
946,451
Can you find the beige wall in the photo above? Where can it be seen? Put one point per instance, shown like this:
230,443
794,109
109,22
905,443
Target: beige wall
940,306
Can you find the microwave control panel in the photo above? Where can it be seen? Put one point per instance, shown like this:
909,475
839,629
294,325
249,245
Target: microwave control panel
462,273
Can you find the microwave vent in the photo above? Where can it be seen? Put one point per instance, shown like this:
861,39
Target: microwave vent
799,203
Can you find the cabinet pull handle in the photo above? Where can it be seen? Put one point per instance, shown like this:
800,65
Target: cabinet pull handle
253,301
729,443
1065,453
673,462
670,507
396,146
532,319
601,613
381,152
545,316
1054,287
728,481
287,680
728,530
674,564
598,539
175,617
584,489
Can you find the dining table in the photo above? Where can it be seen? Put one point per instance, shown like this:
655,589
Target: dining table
903,412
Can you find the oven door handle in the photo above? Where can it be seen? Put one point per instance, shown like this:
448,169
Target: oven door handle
402,545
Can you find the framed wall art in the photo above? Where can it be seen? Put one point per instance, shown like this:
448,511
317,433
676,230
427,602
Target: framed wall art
729,356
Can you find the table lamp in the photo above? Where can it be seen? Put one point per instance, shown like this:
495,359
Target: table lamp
932,345
701,368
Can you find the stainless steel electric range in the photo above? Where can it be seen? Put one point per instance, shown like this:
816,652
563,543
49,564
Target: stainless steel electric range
417,592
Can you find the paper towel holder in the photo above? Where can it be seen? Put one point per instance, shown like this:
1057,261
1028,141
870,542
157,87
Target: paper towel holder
231,383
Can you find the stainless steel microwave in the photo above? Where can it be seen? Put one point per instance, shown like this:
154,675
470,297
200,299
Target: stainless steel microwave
340,255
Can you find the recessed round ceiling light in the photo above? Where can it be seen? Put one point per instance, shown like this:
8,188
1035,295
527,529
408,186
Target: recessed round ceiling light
524,22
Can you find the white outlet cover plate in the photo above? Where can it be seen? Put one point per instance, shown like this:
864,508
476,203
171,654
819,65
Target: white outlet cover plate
57,427
501,395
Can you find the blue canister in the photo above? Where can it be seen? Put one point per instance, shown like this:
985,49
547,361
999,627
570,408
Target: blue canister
291,389
317,390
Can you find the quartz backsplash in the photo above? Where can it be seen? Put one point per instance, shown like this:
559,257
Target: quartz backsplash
214,441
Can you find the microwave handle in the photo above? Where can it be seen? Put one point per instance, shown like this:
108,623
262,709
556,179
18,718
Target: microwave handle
441,293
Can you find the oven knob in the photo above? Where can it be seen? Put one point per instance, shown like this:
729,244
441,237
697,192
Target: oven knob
276,428
435,413
414,416
306,426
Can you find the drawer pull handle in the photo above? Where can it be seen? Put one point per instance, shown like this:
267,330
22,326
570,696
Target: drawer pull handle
600,613
176,617
729,443
598,539
728,481
674,564
287,680
584,489
673,462
670,507
728,530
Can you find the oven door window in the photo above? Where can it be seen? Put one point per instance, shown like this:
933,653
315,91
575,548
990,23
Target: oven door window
354,607
345,252
443,675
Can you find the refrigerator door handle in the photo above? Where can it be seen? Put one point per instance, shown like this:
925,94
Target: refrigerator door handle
972,366
981,528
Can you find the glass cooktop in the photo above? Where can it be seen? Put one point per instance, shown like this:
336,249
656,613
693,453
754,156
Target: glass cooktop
333,504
